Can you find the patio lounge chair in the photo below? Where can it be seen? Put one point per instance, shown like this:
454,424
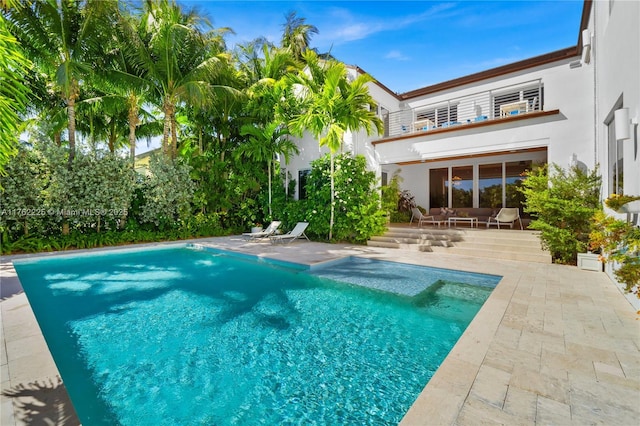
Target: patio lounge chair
506,215
295,233
417,215
255,236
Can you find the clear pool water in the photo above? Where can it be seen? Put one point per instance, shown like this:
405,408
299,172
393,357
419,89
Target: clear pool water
178,336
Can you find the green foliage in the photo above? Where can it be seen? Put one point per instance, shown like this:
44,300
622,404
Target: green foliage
391,194
619,241
168,191
396,201
94,193
616,201
563,203
22,210
331,105
358,215
13,93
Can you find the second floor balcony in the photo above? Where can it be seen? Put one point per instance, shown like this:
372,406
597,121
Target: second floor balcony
479,107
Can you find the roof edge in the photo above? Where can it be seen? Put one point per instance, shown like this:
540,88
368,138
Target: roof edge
547,58
544,59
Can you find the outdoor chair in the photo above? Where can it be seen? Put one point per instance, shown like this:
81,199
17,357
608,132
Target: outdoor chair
295,233
506,215
269,231
421,218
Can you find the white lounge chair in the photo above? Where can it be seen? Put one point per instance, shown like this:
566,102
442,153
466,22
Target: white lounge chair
295,233
269,231
417,215
506,215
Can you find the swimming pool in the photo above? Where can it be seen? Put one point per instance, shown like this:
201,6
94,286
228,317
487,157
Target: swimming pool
183,336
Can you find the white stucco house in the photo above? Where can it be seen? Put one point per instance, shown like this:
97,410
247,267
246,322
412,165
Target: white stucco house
466,142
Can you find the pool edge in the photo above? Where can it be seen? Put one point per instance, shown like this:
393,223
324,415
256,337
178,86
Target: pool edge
463,401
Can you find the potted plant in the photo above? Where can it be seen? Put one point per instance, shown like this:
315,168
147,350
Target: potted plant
256,228
623,203
619,242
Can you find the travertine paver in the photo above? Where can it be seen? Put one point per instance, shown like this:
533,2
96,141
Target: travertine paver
552,345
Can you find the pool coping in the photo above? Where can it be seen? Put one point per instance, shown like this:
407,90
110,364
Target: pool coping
540,350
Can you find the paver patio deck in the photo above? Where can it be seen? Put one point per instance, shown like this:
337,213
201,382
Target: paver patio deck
552,345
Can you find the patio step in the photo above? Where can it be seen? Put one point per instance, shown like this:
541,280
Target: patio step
507,244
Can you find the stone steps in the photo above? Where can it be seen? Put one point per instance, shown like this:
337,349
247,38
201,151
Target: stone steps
505,244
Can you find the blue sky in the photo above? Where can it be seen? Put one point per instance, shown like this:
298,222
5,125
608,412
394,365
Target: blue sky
407,45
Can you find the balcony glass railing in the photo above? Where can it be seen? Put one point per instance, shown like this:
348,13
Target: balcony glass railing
495,104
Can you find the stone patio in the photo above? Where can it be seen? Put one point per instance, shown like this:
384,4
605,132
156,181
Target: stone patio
552,345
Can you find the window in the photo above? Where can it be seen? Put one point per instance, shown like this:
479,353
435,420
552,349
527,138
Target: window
384,178
533,95
384,116
302,183
498,185
490,185
616,164
462,186
438,187
514,176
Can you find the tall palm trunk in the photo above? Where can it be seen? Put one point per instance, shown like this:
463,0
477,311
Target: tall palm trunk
71,111
166,108
174,135
332,199
113,137
133,123
269,171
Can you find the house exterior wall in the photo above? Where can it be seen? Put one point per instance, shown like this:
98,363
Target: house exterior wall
565,89
564,138
616,54
584,93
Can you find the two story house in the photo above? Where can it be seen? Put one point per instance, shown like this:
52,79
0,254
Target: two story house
466,142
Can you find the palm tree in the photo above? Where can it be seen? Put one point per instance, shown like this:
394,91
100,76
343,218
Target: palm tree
297,35
264,144
332,105
178,61
60,36
13,93
121,79
265,76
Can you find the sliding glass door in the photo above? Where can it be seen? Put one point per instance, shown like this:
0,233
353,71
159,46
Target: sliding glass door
462,186
496,185
490,185
439,187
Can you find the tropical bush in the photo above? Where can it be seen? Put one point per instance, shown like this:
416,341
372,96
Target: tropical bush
357,203
396,201
223,117
95,193
22,211
562,203
168,191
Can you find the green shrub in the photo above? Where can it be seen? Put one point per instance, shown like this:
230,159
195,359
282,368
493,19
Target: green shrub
167,193
357,203
562,204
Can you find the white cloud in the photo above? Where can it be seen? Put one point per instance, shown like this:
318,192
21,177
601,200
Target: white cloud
396,55
342,26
